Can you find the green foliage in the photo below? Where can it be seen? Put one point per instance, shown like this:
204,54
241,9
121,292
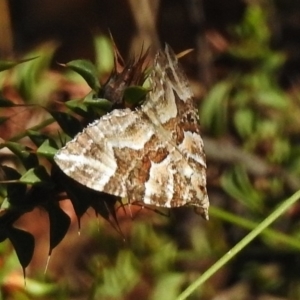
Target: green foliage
135,94
28,75
87,70
6,65
69,124
249,108
36,184
35,289
118,280
215,108
36,175
150,259
46,149
19,238
251,103
59,224
27,158
237,184
104,61
254,33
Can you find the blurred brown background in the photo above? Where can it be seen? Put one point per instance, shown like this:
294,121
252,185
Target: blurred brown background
204,25
184,24
199,24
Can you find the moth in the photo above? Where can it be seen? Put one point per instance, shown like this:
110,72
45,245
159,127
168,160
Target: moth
154,154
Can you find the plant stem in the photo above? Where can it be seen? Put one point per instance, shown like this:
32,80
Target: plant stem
241,245
271,234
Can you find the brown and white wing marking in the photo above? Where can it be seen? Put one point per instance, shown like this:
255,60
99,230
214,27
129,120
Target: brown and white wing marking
154,154
170,106
105,152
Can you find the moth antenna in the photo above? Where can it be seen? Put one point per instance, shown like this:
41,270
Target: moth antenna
184,53
143,206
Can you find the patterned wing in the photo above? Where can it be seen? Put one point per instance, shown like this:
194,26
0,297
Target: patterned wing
171,107
154,154
104,153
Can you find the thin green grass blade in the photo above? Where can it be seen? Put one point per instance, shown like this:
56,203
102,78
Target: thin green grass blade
286,204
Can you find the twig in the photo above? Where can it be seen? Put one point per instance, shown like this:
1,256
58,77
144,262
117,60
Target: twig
145,15
226,152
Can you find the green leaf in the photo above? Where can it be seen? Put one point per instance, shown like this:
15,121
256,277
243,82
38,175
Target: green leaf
174,283
244,122
272,97
75,191
36,289
59,224
38,138
16,192
77,106
135,94
120,279
104,54
23,243
214,109
100,103
47,149
69,124
103,104
237,184
87,70
254,35
5,65
29,78
7,218
35,176
281,150
24,153
268,128
274,61
5,205
83,197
